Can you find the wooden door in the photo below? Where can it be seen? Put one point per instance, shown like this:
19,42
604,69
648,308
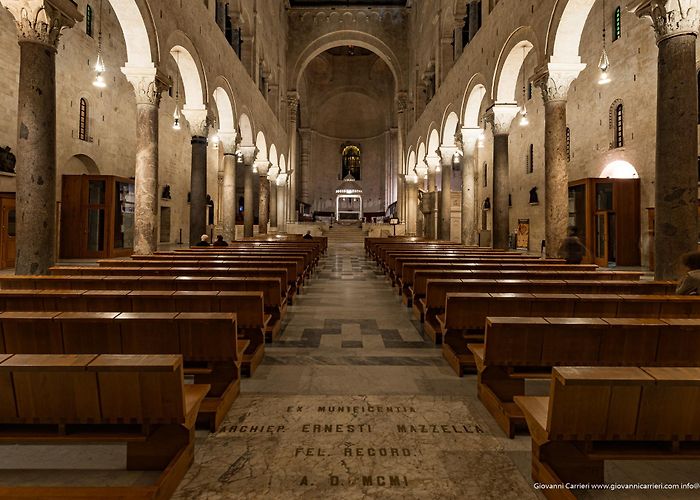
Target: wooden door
8,233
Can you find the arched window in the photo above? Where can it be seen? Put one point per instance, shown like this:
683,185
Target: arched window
486,175
352,162
616,124
88,20
568,144
83,123
617,24
619,126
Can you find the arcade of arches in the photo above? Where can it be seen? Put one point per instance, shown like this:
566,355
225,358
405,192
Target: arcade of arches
134,128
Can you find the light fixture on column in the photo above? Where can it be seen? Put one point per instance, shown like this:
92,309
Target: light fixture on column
99,81
524,120
604,63
176,115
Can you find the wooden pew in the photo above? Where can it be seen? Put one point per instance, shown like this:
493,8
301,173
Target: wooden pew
465,314
248,306
275,301
197,275
598,414
208,343
433,305
517,349
141,401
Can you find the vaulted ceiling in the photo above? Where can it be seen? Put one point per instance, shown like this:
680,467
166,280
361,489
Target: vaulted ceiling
347,3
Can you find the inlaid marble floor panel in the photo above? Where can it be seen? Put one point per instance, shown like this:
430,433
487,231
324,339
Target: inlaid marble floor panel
354,402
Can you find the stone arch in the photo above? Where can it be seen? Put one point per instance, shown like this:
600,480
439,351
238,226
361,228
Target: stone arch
510,62
138,26
473,102
189,66
273,156
283,163
261,145
449,128
565,29
225,109
80,164
433,140
411,162
245,129
345,37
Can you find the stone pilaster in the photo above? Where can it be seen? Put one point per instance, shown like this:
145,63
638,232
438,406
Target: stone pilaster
500,117
248,195
39,26
469,140
676,26
148,87
262,166
305,139
554,81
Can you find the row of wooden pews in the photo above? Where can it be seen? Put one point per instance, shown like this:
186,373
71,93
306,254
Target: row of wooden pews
141,351
622,354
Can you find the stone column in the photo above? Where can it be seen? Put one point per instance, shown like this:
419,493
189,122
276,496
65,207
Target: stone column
248,195
272,174
39,28
148,88
676,27
228,198
199,128
500,116
445,227
261,167
431,204
458,40
401,109
281,202
447,54
304,167
554,82
470,137
411,183
293,104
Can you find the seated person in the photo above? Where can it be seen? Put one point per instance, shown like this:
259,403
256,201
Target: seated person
572,249
690,281
220,242
203,241
308,236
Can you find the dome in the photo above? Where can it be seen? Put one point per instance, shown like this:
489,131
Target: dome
349,186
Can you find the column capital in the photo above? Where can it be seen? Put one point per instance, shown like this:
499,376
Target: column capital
198,119
554,79
402,102
447,154
248,153
410,178
149,83
273,172
500,116
470,139
421,168
282,179
669,17
293,104
229,142
261,166
42,21
434,161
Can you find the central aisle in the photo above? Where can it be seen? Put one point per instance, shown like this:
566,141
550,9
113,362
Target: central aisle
352,402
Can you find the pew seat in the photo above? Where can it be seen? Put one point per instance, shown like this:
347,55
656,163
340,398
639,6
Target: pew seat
141,401
594,414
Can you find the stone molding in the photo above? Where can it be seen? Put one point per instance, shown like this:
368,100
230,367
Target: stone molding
402,102
293,104
42,21
669,17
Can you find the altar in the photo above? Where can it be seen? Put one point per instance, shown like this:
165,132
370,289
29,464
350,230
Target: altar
348,202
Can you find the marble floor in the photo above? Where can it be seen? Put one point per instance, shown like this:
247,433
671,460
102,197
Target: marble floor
352,402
